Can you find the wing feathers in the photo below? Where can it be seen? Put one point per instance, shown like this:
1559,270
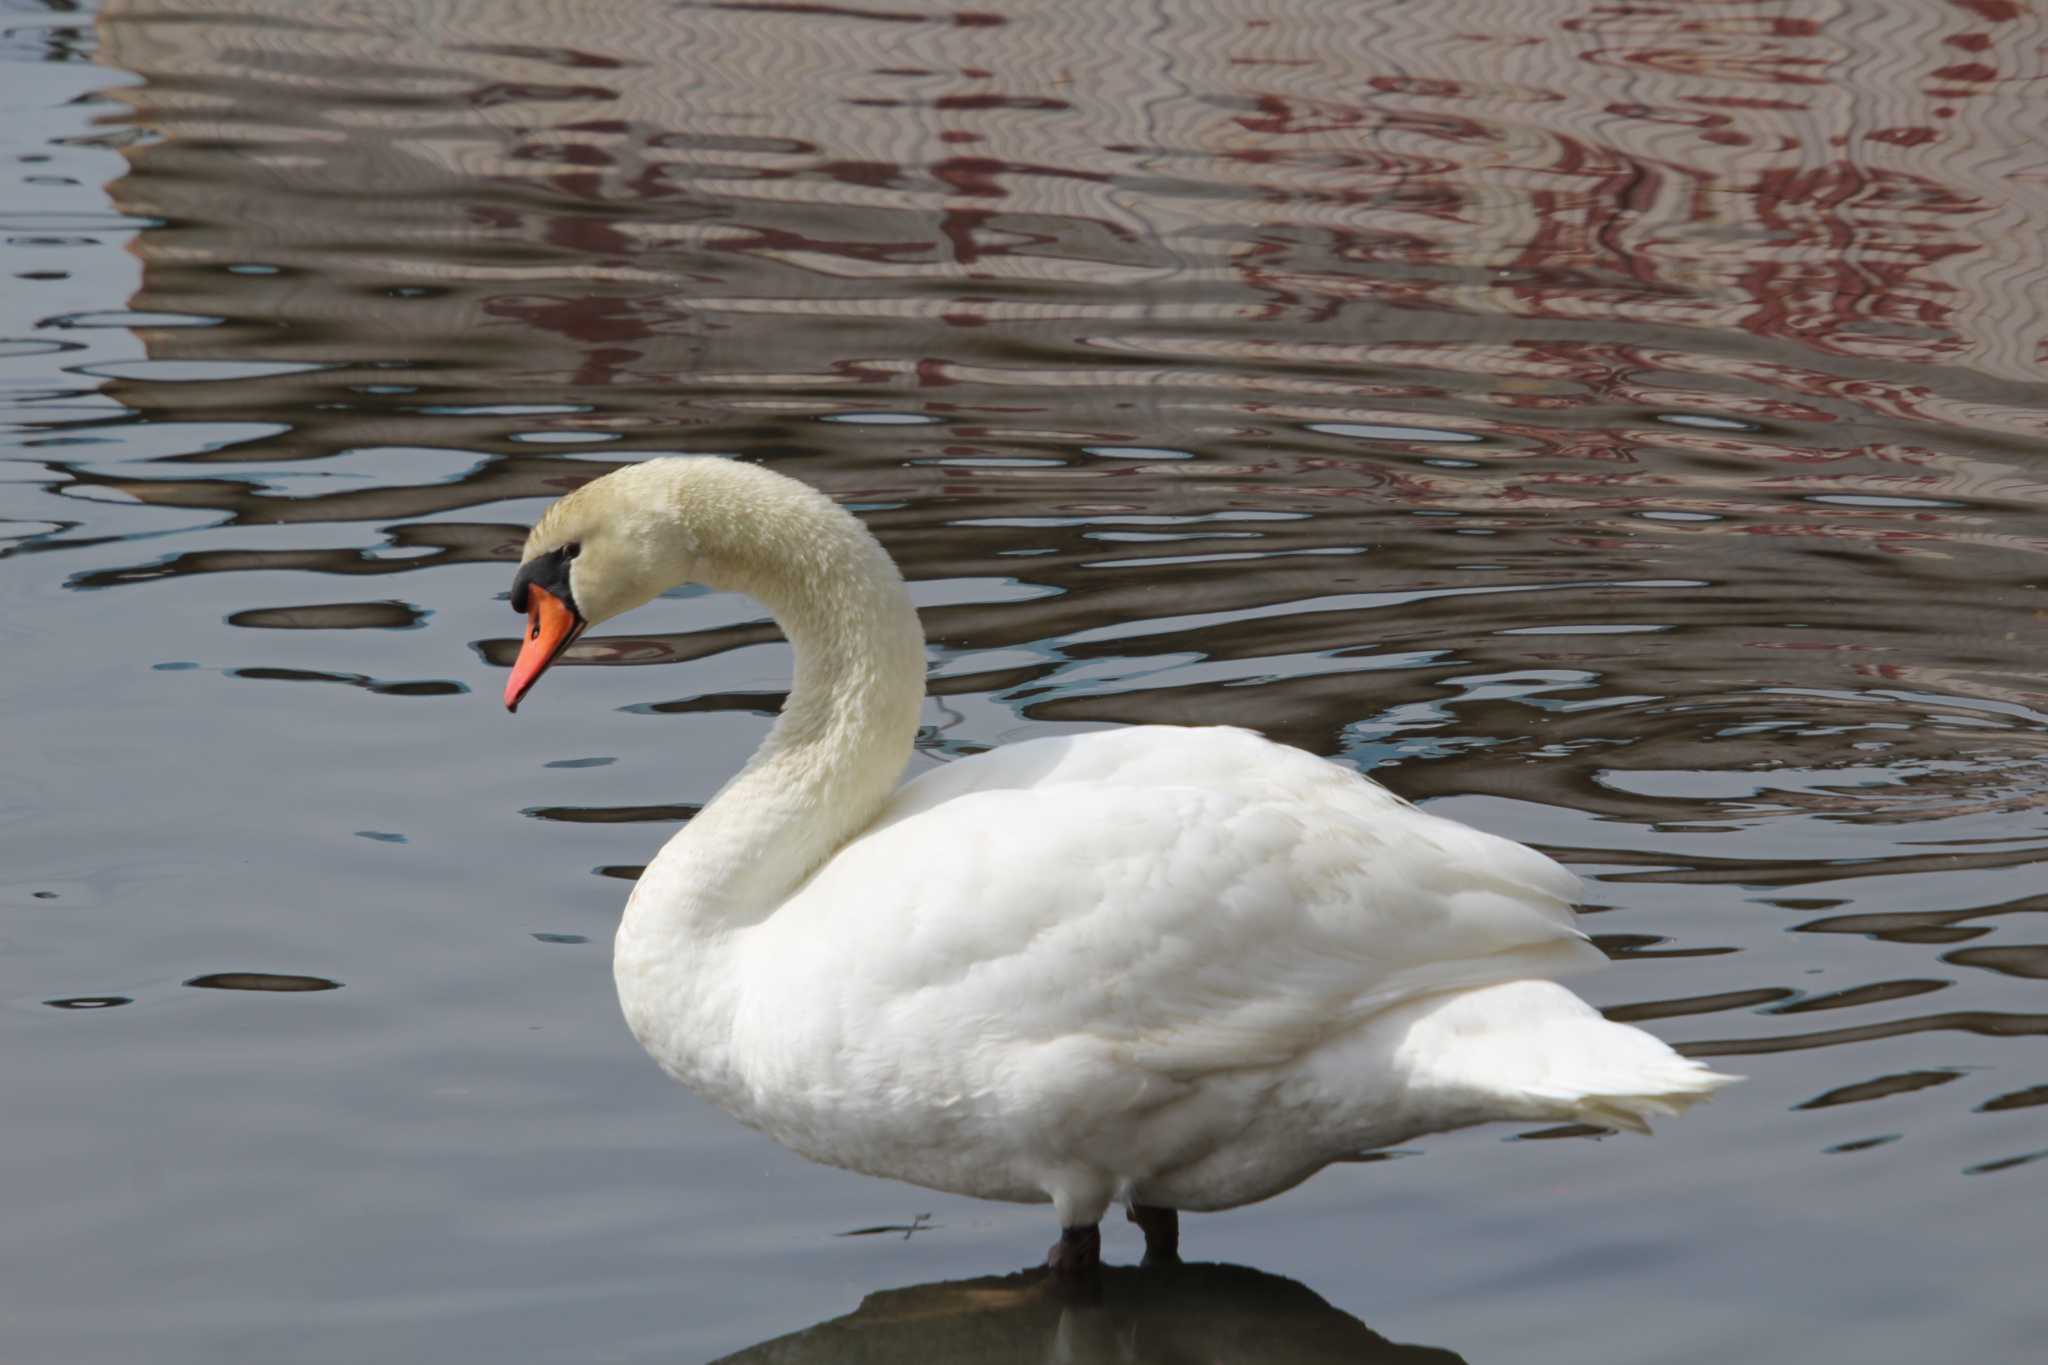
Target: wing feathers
1194,900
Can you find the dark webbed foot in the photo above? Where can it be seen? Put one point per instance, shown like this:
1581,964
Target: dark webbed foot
1162,1233
1078,1253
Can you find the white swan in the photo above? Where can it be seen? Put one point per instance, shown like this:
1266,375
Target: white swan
1174,968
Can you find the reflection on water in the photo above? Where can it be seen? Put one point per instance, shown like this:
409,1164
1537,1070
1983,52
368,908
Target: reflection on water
1141,1317
262,981
1618,426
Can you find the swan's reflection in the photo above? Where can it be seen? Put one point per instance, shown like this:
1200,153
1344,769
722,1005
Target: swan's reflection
1227,1314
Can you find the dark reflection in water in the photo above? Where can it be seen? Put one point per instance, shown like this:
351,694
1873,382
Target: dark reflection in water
213,981
332,616
1225,1313
425,687
1620,426
262,981
607,815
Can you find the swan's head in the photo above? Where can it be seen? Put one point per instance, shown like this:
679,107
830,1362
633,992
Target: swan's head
606,548
630,536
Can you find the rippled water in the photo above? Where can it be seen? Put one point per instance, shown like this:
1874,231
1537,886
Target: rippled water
1618,427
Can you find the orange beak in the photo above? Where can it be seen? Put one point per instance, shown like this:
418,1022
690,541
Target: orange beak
551,629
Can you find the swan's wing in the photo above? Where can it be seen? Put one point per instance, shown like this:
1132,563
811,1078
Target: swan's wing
1195,900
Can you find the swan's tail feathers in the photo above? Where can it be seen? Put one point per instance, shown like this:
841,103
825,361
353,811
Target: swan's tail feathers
1532,1049
1632,1113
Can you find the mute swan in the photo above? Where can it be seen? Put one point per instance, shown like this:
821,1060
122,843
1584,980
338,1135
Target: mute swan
1169,967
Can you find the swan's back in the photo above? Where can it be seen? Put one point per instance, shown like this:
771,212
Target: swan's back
1198,898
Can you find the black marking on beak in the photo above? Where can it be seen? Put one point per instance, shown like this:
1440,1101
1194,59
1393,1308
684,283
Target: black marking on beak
550,571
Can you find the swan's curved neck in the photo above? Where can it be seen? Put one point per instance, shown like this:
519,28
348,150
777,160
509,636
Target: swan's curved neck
835,753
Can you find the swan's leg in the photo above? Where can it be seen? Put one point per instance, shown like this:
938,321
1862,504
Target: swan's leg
1080,1196
1162,1233
1078,1252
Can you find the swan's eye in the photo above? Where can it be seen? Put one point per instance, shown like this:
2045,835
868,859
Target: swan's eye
572,549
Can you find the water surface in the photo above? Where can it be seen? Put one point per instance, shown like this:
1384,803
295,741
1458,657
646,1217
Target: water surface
1617,427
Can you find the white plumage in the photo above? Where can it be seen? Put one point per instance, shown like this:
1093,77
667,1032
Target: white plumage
1172,967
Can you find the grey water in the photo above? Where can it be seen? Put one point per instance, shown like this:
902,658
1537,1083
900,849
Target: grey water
1617,427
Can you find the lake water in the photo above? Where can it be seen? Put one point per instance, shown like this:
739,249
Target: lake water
1619,427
